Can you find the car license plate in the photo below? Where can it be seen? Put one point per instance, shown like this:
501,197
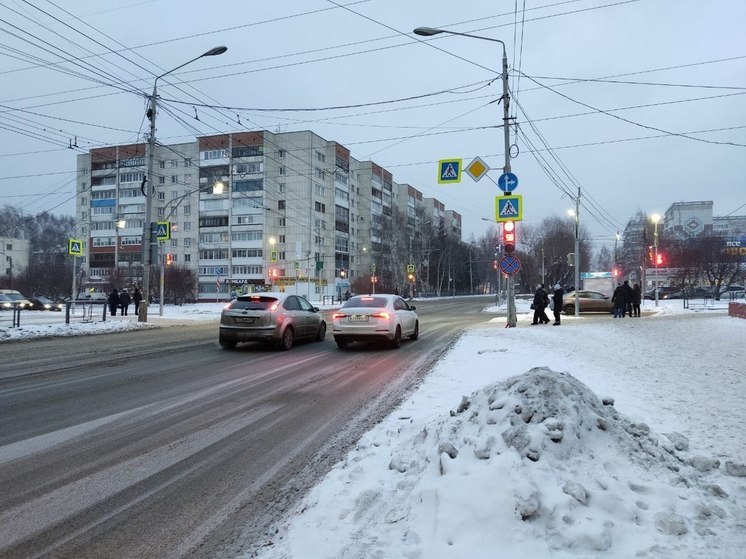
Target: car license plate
359,318
245,320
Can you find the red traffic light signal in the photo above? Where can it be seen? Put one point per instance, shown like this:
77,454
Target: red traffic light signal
509,237
169,259
659,259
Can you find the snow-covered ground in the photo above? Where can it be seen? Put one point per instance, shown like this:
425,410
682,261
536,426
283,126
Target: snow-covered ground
603,437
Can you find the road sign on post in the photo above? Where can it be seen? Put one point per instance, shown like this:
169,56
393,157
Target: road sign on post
449,171
507,182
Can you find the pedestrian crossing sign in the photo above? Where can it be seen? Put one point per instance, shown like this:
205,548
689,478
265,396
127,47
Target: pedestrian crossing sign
163,230
75,247
509,208
449,171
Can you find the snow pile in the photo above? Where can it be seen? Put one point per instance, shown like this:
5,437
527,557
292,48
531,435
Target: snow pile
548,467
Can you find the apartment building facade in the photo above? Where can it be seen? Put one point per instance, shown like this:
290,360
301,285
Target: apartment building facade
250,211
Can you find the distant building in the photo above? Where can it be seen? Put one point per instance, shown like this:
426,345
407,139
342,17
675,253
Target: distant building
296,212
15,256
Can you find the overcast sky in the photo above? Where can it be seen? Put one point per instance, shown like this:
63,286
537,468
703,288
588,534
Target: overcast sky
670,76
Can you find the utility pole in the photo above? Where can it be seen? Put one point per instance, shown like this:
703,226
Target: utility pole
577,254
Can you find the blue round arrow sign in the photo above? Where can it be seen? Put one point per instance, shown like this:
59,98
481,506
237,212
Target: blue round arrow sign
507,182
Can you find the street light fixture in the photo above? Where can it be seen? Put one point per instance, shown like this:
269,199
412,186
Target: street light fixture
430,31
655,219
149,244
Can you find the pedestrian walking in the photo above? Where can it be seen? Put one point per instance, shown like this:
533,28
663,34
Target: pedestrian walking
620,301
636,299
540,303
113,302
136,298
124,302
557,300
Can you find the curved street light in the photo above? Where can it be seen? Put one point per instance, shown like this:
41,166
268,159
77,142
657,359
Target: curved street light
149,243
429,32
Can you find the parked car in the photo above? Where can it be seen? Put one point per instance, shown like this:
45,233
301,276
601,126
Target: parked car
17,298
664,292
378,317
733,292
698,293
276,318
588,301
41,303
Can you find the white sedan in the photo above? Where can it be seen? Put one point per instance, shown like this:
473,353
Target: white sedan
377,317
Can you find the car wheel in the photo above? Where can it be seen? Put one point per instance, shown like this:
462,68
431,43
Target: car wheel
321,334
569,309
227,344
287,339
396,342
341,344
416,333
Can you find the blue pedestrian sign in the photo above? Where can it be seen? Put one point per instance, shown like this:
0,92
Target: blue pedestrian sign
509,208
507,182
449,171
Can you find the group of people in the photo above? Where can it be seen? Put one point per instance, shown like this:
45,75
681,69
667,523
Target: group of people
541,302
123,300
627,300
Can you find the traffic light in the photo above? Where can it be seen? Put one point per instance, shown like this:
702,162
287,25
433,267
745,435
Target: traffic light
659,259
494,264
169,259
509,237
410,277
274,273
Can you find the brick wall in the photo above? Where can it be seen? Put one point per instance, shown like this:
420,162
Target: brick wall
737,310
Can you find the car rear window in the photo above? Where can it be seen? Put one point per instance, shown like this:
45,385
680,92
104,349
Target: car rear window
258,303
371,302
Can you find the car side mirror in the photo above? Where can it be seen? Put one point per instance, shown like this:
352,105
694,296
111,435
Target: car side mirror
315,309
412,307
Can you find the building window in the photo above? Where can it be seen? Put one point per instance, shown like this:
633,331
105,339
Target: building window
320,157
282,187
174,163
281,204
161,164
187,242
161,180
187,258
161,196
174,242
187,211
187,162
174,179
282,169
161,212
319,207
281,153
188,226
174,194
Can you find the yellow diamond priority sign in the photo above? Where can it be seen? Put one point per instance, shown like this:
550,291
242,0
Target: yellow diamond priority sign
476,169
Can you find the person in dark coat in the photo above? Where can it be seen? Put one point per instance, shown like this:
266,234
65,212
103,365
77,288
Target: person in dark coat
124,302
136,298
557,299
113,302
636,299
541,301
628,293
620,301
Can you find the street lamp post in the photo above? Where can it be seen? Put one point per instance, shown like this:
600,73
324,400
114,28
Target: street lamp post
576,263
149,245
656,218
272,268
428,32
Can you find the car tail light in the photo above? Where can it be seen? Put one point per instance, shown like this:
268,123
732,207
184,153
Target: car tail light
337,315
383,315
274,306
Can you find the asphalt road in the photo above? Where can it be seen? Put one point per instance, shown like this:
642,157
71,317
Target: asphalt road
157,443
